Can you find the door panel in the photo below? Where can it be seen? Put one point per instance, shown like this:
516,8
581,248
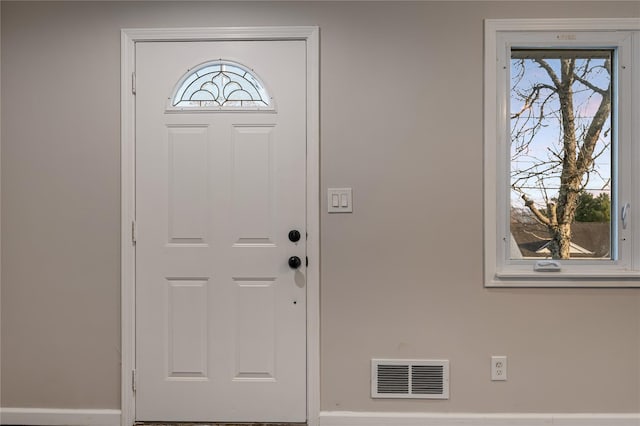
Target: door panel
220,316
256,333
188,182
253,184
187,332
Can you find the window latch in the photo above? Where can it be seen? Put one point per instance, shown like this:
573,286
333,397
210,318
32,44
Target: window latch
623,215
547,266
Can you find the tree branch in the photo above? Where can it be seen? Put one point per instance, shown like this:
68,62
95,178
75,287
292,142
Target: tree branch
590,86
550,71
585,156
537,213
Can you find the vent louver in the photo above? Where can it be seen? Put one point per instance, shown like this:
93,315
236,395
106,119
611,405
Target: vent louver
393,379
427,379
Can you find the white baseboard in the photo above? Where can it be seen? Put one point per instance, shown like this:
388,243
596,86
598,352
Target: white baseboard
62,417
59,417
350,418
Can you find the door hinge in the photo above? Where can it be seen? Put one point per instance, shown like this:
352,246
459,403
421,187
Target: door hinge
133,83
133,232
133,380
306,258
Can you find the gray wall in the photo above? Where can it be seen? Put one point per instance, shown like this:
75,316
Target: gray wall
401,276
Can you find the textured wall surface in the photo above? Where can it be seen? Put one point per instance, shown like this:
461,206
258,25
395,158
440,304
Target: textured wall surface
401,123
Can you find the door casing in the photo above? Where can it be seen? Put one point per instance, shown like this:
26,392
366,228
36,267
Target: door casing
129,38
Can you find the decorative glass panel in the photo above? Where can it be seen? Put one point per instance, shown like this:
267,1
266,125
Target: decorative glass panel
221,84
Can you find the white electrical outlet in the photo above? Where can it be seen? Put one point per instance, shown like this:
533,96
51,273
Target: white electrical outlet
498,368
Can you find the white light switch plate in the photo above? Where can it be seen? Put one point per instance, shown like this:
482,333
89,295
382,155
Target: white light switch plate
339,200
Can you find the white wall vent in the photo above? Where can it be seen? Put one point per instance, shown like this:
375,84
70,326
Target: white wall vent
410,378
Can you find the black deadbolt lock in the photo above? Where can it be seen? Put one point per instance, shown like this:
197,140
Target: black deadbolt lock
294,236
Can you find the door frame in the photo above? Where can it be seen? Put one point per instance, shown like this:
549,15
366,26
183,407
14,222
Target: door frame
129,38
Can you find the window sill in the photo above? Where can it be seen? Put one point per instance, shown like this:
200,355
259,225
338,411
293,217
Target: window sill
612,279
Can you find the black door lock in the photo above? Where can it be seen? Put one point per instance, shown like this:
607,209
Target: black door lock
294,236
294,262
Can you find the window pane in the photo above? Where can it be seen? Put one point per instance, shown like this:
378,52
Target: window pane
221,84
561,168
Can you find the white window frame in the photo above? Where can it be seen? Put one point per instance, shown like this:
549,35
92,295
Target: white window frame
500,36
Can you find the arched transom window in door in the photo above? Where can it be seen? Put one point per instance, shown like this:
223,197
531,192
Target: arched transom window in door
221,85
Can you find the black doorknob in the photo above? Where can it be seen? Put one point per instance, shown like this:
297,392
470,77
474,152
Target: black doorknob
294,236
294,262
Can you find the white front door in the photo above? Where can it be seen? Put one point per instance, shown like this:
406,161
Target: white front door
220,313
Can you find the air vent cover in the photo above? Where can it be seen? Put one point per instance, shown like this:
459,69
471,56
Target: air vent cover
402,378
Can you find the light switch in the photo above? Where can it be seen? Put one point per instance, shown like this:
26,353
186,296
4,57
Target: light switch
339,200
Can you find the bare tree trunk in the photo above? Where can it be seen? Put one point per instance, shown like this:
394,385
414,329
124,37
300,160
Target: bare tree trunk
561,240
576,158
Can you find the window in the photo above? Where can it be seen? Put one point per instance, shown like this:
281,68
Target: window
561,142
220,85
